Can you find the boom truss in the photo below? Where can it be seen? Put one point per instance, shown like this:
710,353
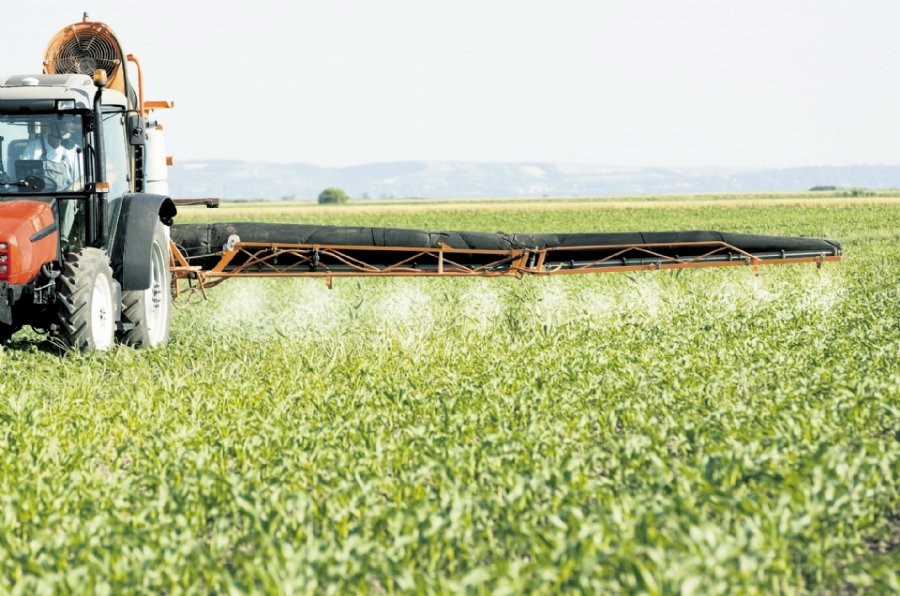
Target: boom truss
203,268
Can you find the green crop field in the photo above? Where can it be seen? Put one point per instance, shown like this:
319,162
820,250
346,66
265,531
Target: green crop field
695,432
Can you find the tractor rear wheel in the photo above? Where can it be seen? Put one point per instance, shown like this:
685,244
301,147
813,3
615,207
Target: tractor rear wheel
86,315
146,313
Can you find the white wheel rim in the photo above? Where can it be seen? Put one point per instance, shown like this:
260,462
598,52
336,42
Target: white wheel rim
156,300
102,313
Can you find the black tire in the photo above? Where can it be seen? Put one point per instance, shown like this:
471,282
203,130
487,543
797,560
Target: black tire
86,314
6,332
146,314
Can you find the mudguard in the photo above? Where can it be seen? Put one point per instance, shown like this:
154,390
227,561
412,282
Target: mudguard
134,237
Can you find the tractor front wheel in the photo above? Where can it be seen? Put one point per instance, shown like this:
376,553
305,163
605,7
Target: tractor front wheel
86,315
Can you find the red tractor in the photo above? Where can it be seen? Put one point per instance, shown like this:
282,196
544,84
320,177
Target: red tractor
84,249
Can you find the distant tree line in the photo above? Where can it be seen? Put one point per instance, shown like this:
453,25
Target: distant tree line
845,192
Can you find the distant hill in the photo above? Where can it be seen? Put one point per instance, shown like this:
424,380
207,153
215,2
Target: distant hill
254,180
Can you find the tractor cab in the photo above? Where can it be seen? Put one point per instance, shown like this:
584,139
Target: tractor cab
52,150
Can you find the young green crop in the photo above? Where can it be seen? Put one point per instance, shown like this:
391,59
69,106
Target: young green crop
704,431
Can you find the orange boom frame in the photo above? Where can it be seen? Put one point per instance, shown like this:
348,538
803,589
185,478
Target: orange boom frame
275,260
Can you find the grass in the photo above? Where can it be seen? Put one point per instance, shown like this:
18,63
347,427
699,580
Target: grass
698,432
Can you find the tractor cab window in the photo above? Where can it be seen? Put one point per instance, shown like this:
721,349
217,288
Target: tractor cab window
117,165
118,170
41,153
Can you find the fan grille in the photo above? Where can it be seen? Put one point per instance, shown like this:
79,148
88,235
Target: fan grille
85,52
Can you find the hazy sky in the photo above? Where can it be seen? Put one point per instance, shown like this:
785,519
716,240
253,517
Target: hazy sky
619,82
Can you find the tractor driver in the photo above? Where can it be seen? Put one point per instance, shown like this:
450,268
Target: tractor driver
55,144
46,145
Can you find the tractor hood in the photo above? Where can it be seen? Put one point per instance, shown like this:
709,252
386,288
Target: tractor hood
29,238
